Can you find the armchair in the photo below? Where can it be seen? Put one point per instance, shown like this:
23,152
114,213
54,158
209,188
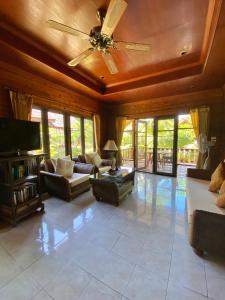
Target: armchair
64,188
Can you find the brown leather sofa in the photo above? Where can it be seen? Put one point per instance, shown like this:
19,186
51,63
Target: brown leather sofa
59,186
104,167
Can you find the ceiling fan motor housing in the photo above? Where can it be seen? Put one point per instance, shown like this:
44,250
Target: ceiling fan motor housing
100,41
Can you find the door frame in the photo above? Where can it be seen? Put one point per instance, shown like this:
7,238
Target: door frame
175,141
136,143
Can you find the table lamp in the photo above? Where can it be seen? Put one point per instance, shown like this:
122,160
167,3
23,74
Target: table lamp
111,147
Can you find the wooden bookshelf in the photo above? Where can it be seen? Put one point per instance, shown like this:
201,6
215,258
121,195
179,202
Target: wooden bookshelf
20,191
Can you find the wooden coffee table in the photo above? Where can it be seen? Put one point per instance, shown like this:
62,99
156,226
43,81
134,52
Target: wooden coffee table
114,188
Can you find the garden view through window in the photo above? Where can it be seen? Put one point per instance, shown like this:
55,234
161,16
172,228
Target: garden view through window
88,135
75,128
56,134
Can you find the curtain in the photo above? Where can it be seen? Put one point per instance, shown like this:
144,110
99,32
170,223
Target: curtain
21,105
97,133
200,121
120,126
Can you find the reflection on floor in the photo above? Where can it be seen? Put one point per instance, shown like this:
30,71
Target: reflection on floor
89,250
181,168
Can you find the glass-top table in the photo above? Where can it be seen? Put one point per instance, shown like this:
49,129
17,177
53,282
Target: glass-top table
112,187
120,175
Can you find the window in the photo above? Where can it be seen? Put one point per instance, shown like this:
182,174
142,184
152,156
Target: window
127,145
187,143
56,134
88,135
36,115
75,127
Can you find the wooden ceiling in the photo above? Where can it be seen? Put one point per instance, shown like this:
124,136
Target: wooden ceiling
168,25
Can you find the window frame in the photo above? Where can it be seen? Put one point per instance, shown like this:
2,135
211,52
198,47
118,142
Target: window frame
67,129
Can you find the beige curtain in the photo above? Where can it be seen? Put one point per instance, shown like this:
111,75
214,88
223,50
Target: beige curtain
200,121
120,126
21,105
97,132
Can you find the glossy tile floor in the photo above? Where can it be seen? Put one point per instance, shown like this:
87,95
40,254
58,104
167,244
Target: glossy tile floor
89,250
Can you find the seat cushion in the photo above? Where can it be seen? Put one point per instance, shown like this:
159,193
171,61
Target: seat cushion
78,178
199,198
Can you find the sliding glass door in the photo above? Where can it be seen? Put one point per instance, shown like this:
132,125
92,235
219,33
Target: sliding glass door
141,144
165,146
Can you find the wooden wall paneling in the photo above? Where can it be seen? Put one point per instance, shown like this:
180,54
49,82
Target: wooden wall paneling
45,93
167,105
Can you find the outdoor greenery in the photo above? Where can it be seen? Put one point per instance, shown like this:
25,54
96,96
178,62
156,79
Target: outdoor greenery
75,126
145,136
88,135
57,136
186,134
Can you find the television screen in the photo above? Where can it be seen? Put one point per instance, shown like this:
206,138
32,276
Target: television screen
19,135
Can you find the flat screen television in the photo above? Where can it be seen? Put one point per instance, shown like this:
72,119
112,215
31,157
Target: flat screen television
16,135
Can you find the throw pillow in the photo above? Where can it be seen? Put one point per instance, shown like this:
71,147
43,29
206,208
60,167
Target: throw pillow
217,178
222,188
220,202
54,161
97,161
64,167
89,157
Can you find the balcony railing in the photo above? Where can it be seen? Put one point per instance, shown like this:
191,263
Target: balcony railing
184,156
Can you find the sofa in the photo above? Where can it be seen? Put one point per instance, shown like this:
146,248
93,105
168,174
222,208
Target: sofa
64,188
104,167
206,221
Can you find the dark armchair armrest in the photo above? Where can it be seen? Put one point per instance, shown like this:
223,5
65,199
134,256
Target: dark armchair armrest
207,232
106,162
84,168
55,184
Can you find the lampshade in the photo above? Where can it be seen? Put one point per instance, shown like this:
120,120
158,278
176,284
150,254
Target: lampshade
110,146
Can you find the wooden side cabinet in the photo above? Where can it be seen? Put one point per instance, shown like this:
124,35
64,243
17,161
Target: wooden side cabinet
20,190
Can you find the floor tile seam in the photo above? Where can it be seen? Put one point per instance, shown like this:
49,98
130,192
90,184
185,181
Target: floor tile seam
128,281
97,279
36,294
196,292
87,284
39,287
170,267
115,242
192,290
44,290
6,250
206,282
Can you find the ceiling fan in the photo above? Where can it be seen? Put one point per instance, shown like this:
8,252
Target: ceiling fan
101,37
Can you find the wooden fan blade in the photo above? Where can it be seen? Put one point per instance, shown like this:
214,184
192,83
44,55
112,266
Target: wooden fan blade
67,29
80,57
132,46
109,61
114,13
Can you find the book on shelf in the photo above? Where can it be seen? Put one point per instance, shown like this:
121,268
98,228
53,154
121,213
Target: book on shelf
20,171
24,192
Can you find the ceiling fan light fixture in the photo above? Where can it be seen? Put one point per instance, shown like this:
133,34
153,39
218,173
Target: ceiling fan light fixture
183,52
